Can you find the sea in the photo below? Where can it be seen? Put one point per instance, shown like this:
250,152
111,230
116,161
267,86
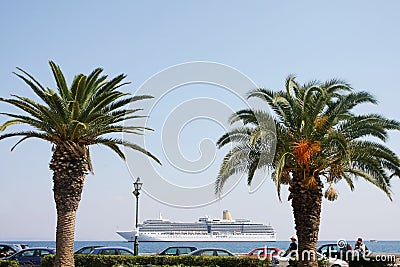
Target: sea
235,247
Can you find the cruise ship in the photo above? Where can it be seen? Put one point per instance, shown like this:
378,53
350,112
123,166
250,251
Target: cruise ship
204,230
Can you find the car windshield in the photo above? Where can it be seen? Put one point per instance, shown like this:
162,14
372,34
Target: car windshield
84,250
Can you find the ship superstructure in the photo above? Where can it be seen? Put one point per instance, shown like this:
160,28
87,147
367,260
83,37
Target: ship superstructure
205,229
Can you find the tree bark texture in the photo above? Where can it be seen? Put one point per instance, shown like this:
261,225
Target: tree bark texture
69,166
306,204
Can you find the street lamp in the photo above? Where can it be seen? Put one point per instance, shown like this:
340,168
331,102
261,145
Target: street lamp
137,185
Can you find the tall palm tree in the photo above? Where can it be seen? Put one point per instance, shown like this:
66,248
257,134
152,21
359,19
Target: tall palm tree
72,119
317,142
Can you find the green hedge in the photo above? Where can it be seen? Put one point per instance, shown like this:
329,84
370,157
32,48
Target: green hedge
154,261
182,261
9,263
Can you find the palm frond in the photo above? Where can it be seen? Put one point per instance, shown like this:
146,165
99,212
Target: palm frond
320,117
82,113
27,135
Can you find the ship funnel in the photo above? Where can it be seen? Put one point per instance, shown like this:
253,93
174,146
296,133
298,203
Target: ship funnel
226,215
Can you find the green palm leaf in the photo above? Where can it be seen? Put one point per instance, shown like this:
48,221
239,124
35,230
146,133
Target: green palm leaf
90,108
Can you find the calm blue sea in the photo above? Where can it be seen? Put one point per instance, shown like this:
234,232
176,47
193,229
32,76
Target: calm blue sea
235,247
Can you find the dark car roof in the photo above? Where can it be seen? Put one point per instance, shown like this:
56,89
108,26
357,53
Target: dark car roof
180,247
52,250
191,247
87,247
111,247
210,249
46,248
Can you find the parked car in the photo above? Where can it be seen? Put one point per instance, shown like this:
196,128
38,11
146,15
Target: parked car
22,246
31,256
177,250
87,249
7,250
112,251
340,252
265,252
283,261
211,252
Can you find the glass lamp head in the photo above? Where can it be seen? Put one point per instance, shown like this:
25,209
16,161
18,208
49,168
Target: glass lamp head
137,184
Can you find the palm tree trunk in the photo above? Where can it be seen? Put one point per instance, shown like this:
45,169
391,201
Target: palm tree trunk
69,167
306,204
65,238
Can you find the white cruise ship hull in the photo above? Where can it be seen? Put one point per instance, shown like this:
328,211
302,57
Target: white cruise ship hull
204,230
166,237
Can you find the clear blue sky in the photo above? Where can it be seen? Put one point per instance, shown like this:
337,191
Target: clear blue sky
266,40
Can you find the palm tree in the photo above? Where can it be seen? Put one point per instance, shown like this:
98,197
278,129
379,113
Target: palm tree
311,141
72,119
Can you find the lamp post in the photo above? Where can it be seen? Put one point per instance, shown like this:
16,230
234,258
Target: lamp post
137,185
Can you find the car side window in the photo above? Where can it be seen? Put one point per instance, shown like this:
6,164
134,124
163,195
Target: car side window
44,252
170,251
27,253
37,253
108,252
207,253
124,252
222,253
259,251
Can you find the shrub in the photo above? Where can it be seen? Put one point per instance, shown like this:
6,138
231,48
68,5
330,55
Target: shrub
4,263
154,261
